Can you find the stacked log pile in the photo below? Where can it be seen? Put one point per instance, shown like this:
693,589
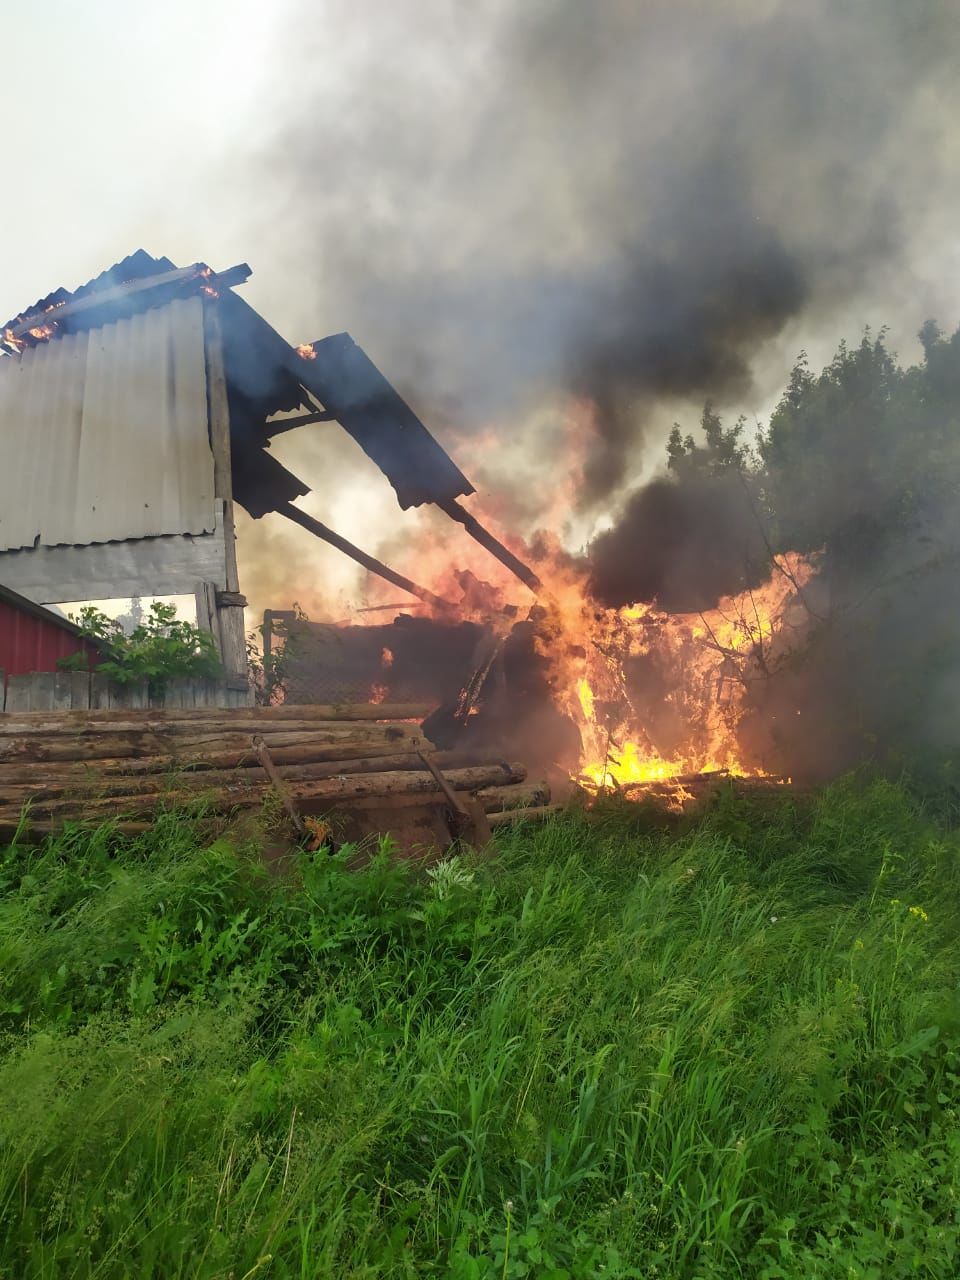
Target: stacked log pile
369,764
125,765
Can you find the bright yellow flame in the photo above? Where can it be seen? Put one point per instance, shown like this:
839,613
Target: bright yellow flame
585,694
630,766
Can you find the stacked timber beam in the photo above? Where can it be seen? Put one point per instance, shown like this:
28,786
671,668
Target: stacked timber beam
126,765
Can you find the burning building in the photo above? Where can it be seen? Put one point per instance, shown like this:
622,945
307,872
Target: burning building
140,408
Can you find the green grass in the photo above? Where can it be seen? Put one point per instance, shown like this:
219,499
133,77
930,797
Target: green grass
729,1051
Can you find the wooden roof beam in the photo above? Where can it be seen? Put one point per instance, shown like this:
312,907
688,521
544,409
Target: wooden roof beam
492,544
370,563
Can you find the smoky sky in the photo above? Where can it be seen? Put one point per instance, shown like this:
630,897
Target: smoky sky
622,201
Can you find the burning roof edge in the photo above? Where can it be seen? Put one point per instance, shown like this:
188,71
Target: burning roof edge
136,266
93,307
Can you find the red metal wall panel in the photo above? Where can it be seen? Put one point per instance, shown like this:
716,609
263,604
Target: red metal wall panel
29,643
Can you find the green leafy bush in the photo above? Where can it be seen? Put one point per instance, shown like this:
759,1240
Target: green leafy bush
157,650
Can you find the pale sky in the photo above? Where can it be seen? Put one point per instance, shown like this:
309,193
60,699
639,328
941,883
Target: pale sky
131,125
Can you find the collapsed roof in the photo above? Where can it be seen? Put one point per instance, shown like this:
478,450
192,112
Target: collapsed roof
265,376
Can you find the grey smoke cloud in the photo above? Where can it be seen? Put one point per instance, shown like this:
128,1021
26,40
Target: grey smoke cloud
623,201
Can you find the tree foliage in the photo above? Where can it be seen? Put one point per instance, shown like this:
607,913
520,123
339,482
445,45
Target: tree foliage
157,650
860,463
723,448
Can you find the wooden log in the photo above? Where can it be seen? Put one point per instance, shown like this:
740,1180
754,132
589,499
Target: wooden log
71,721
520,795
496,548
90,782
315,745
35,829
294,762
244,793
369,562
466,816
345,711
397,782
536,814
101,746
45,724
278,711
195,761
455,804
273,773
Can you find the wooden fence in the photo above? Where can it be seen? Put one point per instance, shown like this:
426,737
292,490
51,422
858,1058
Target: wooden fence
87,691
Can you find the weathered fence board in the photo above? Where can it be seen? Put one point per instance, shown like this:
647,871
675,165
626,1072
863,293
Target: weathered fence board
83,691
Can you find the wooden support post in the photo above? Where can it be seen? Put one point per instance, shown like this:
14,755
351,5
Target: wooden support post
233,639
229,614
207,618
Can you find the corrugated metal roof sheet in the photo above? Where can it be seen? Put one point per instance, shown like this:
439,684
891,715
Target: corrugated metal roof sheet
104,433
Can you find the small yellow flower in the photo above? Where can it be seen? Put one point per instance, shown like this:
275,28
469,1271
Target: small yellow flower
919,913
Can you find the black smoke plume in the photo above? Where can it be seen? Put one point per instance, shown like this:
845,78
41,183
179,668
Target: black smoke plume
622,201
683,545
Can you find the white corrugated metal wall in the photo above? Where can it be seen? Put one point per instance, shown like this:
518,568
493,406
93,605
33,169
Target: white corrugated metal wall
103,435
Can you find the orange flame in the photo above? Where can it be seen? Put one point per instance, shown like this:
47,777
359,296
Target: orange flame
655,695
708,660
703,662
